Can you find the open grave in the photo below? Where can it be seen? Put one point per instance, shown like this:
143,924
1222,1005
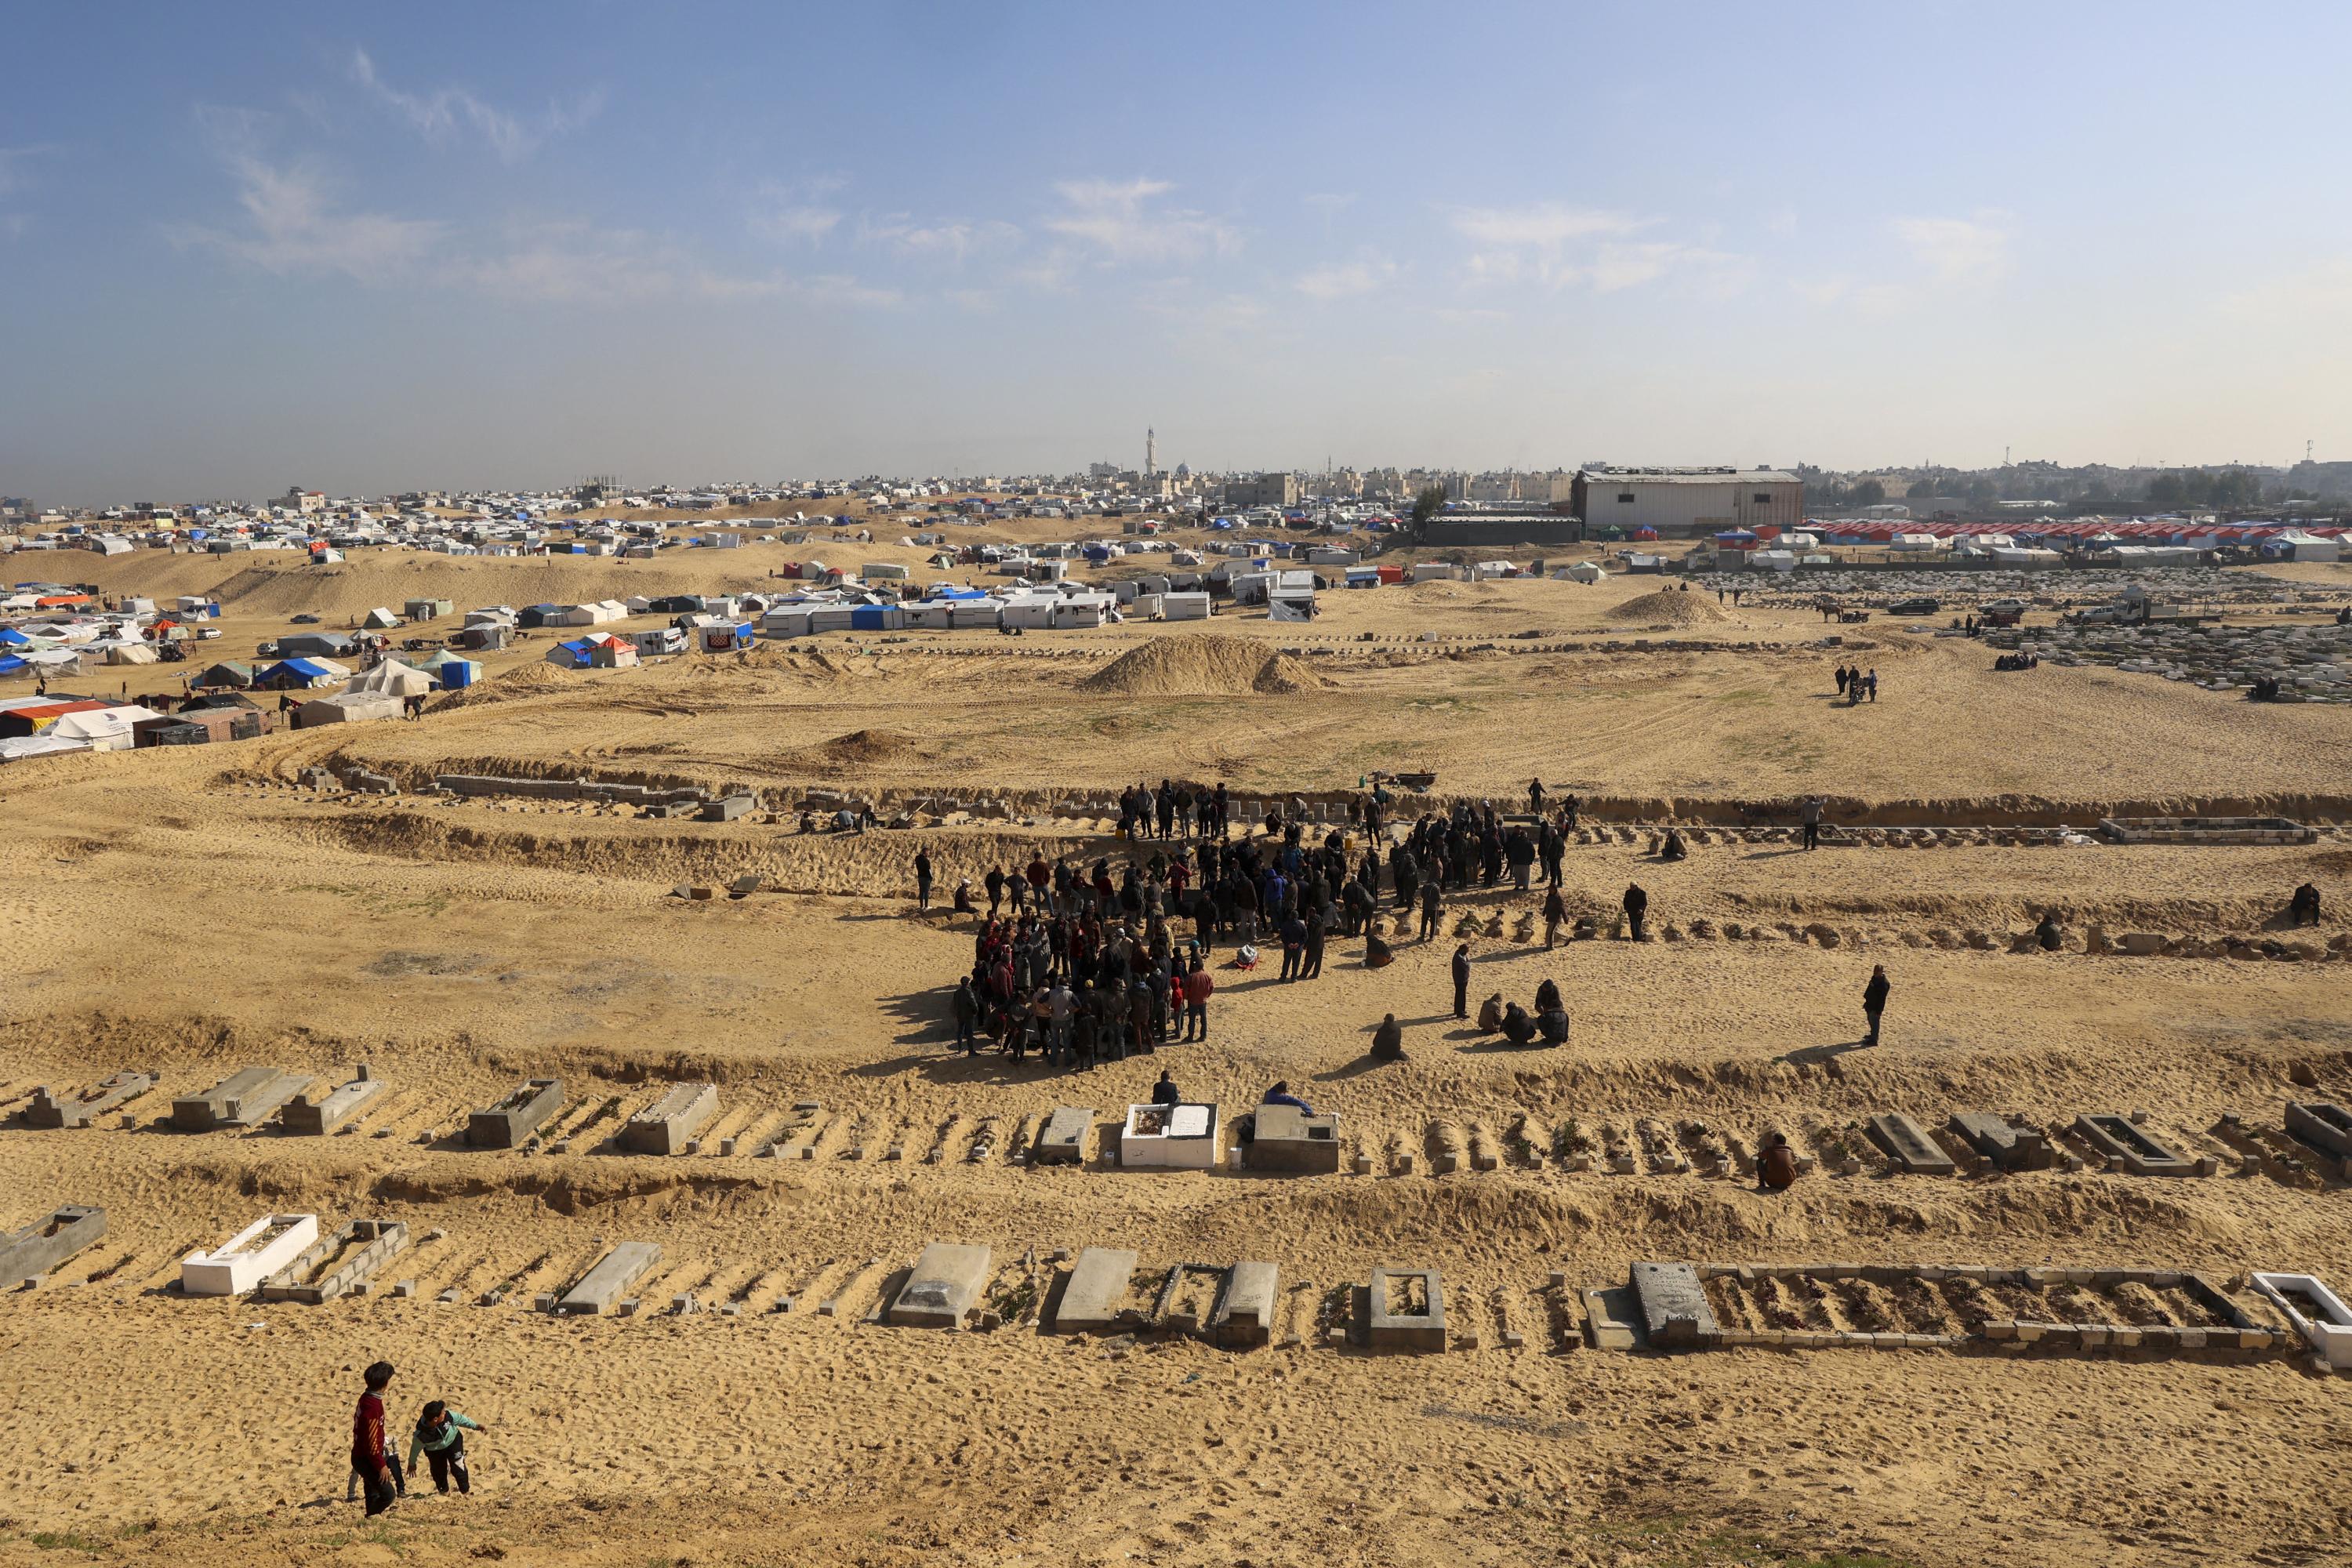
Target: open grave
2137,1149
1285,1138
241,1100
1170,1137
2206,830
668,1126
511,1122
332,1109
2316,1313
81,1110
338,1265
241,1263
27,1253
941,1286
2322,1124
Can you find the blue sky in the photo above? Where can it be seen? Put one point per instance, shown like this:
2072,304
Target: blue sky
362,248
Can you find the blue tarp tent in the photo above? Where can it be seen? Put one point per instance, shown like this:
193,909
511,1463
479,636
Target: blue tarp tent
869,618
12,638
938,594
10,665
293,672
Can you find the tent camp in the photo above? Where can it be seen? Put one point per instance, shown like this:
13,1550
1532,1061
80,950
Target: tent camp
451,671
226,675
603,651
130,652
378,619
101,728
296,674
486,637
391,679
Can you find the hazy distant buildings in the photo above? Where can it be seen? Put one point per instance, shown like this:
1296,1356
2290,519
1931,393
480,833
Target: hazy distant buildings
1682,501
1261,489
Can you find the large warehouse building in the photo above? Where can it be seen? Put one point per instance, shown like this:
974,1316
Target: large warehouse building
1681,503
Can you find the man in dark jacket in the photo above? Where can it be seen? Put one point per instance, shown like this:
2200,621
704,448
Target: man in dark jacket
1388,1040
1430,904
1874,1001
1461,981
1637,908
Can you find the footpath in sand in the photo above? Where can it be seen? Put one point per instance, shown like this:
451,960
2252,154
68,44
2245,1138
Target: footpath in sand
194,914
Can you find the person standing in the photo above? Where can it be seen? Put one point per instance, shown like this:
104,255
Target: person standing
1462,980
1555,915
1312,968
1874,1001
1199,986
1809,813
1535,797
1637,908
1870,684
440,1436
922,881
995,883
371,1449
1430,903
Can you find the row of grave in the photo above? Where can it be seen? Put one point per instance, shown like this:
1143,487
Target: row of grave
1662,1306
2316,1136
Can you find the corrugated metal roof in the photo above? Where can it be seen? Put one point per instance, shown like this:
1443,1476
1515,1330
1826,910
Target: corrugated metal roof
1688,476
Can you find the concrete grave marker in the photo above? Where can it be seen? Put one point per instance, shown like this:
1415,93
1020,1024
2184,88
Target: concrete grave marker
1246,1307
333,1109
37,1248
2140,1151
79,1111
2322,1124
241,1100
2008,1146
1674,1309
670,1123
611,1275
1096,1285
1285,1138
1907,1144
1172,1137
358,1251
942,1286
241,1263
1063,1140
1405,1309
513,1120
2318,1314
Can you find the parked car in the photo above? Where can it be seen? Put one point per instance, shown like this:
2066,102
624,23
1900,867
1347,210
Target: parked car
306,620
1919,606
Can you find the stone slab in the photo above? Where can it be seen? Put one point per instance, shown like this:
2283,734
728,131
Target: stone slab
2008,1146
333,1109
1244,1315
1390,1331
608,1279
33,1250
1674,1309
2322,1124
941,1288
241,1100
727,807
241,1263
1287,1139
2141,1151
81,1110
1908,1145
1612,1313
670,1123
1172,1137
510,1123
1092,1293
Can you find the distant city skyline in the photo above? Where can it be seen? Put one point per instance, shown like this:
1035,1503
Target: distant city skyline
439,247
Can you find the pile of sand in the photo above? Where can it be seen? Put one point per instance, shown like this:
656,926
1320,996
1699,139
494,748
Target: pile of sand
524,680
867,746
1670,606
1202,665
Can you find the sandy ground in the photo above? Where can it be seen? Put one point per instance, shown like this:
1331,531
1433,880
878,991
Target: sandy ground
191,913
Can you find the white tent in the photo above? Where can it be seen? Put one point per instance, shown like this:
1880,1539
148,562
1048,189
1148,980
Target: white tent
101,728
391,679
346,708
1583,571
130,652
378,619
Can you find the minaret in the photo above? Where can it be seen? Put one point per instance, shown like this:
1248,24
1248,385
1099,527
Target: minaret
1151,452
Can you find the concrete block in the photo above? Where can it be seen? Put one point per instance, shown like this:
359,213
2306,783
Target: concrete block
2317,1314
670,1123
1244,1315
683,1305
333,1109
511,1121
1907,1144
1673,1304
402,1289
945,1281
543,1303
358,1251
81,1110
242,1099
1287,1139
611,1275
2008,1147
2322,1124
241,1263
1092,1293
727,807
36,1249
1188,1137
2137,1150
1394,1322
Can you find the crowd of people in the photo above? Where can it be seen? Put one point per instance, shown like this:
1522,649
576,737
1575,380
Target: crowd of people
1857,686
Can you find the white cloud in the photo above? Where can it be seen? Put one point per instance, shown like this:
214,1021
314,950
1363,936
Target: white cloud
1366,275
952,239
443,117
293,226
1122,222
1539,226
1556,246
1960,250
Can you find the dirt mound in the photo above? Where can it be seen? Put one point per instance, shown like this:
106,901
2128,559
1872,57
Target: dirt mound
1202,665
527,681
869,746
1668,606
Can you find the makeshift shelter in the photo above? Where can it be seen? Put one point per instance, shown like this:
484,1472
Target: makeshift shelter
316,644
450,671
102,729
488,637
426,609
378,619
130,652
346,708
603,651
391,679
228,674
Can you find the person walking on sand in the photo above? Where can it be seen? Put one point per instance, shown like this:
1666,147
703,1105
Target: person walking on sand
371,1454
1637,908
1874,1001
1870,684
922,881
440,1436
1555,915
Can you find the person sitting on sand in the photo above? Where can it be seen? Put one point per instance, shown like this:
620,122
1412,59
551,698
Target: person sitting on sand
1490,1014
1552,1023
1165,1091
1518,1028
1673,848
963,905
2302,909
1547,995
1378,954
1388,1040
2048,936
1776,1166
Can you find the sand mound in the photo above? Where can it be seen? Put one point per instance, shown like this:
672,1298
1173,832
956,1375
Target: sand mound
1202,665
869,746
1671,607
526,680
